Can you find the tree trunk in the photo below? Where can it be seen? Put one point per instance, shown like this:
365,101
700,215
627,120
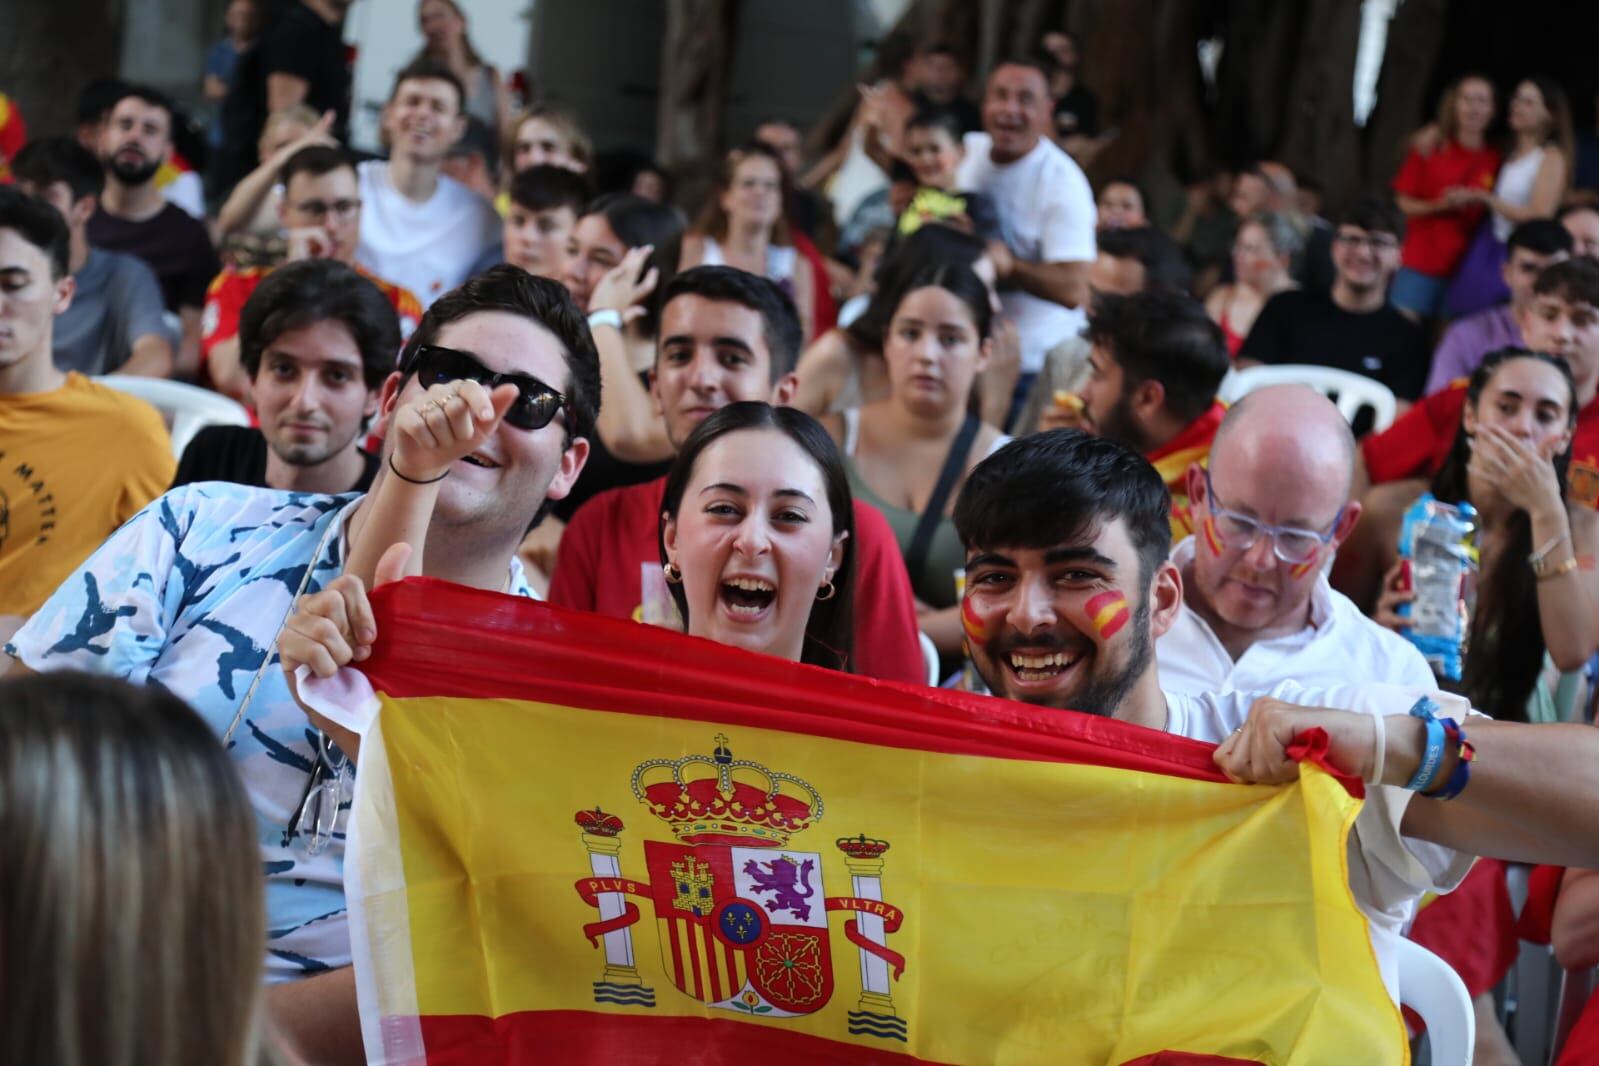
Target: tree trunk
695,68
1260,43
1320,137
51,49
1415,38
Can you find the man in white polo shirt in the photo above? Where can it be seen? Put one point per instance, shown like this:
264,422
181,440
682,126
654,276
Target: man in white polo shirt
420,229
1257,608
1046,212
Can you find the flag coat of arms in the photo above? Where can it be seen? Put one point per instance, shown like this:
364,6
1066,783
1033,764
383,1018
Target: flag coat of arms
577,839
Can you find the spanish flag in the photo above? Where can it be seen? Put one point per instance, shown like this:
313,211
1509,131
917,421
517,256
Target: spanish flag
580,840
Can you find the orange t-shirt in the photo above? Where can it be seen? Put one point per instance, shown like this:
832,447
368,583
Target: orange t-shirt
75,463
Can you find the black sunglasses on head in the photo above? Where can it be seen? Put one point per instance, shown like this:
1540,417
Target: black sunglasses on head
536,403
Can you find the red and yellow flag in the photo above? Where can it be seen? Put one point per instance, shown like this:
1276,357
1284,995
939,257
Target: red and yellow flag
579,840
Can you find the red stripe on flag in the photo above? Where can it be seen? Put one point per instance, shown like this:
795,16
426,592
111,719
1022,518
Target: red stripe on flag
521,649
732,968
691,934
712,964
558,1038
678,977
581,1038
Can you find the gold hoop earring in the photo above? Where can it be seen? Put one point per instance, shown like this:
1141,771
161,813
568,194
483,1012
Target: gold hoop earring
827,591
674,576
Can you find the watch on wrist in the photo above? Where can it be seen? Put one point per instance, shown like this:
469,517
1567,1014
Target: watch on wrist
608,316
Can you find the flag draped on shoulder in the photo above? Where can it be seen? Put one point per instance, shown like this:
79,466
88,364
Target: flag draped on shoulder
578,839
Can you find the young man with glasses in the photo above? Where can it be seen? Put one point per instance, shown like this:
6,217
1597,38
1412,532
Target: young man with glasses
1270,512
321,215
191,593
1353,327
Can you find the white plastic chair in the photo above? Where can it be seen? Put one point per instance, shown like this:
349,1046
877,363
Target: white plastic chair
1350,392
186,408
930,657
1431,988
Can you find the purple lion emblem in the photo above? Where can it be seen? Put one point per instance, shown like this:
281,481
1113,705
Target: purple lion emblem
787,881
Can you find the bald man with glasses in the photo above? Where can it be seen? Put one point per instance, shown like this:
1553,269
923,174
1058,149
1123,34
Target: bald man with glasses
1269,513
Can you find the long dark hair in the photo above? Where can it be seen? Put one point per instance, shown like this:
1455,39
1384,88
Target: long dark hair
713,220
929,246
829,634
637,222
1505,648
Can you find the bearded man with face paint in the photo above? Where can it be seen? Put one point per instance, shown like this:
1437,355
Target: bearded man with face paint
1068,588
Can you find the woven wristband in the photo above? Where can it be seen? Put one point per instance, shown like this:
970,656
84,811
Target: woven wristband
1433,757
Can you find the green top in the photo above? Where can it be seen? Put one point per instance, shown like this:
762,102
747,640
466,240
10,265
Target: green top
935,584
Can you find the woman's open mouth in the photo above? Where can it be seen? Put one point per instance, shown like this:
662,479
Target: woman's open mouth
747,598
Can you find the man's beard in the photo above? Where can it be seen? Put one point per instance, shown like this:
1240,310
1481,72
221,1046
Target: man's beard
1118,425
1103,696
134,174
311,454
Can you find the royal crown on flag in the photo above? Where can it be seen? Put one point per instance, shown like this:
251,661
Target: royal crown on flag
598,823
862,847
717,799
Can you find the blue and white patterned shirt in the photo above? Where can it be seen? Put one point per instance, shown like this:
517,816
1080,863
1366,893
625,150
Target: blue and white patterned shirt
190,595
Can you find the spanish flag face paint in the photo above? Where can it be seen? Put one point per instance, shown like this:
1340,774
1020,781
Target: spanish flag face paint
976,631
1212,538
1108,612
1301,569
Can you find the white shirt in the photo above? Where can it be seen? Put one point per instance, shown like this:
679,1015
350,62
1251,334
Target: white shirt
188,192
1514,186
1046,215
430,247
1338,646
1388,873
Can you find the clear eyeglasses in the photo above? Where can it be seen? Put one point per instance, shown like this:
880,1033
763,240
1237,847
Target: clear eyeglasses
1291,544
328,789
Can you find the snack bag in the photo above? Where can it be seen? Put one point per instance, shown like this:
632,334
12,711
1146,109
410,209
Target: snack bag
930,205
1438,545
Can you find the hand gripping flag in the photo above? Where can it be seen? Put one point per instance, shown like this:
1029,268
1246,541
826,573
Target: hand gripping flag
581,840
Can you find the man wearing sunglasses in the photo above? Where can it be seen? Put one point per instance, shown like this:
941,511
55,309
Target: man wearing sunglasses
191,594
1269,513
321,215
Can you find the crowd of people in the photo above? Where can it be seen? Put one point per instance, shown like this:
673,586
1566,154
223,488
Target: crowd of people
910,410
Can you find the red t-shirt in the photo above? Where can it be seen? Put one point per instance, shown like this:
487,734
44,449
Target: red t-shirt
1435,244
1419,441
229,290
612,536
